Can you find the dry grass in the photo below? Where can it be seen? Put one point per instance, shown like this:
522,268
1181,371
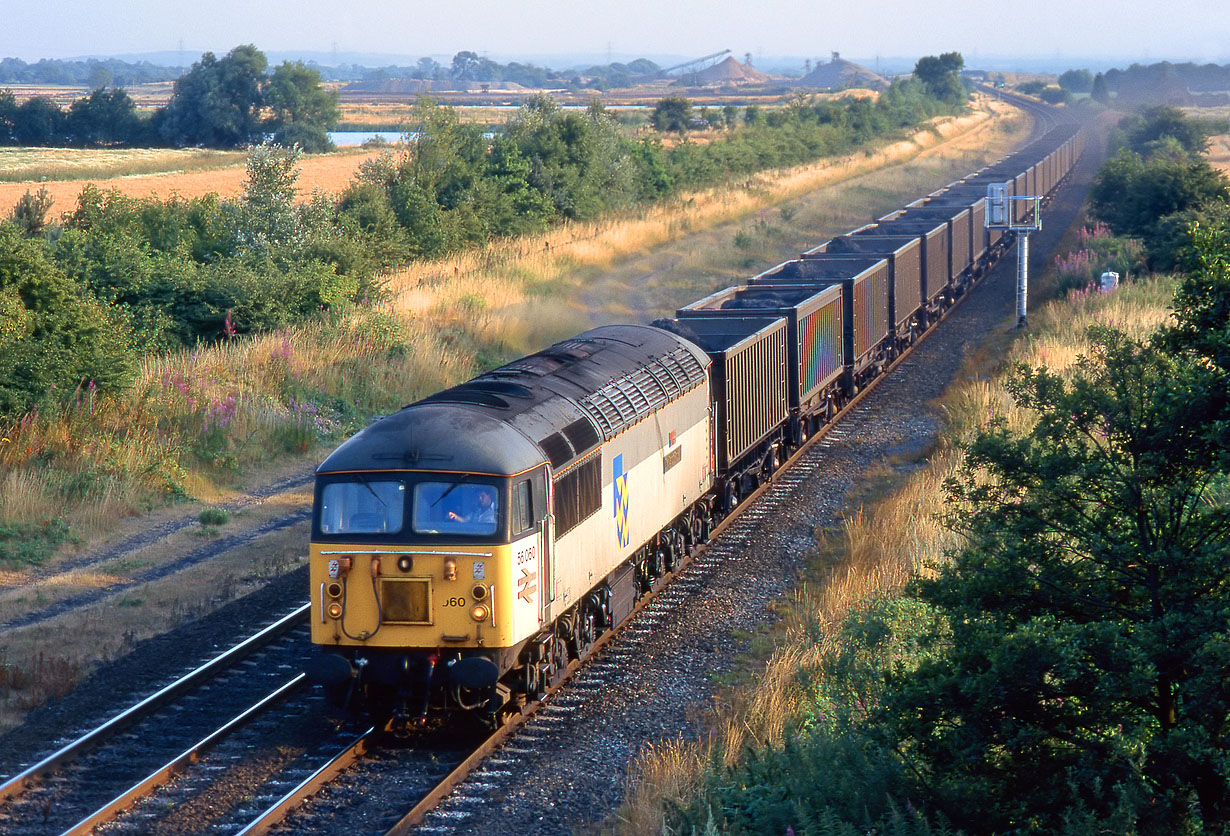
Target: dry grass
35,165
882,546
1218,152
444,314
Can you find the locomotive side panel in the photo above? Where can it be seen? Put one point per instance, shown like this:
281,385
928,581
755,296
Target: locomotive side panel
650,474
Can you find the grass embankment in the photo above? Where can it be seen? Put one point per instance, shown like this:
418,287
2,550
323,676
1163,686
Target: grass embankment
887,542
202,425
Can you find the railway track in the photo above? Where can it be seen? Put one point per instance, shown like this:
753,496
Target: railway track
146,765
491,771
447,778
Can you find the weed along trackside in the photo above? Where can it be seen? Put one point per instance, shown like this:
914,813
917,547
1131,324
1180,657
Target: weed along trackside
211,425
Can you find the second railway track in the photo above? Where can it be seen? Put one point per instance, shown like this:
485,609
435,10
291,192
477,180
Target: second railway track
257,770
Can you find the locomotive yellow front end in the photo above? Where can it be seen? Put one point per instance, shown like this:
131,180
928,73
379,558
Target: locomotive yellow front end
425,581
466,549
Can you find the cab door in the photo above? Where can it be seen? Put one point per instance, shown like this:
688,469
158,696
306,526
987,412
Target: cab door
533,537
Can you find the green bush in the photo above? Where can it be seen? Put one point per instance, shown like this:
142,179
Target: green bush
29,544
214,516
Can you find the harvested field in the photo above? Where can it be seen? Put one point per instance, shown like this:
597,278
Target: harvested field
327,172
1219,152
36,165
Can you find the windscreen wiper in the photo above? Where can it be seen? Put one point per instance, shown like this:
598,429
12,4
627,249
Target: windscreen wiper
440,498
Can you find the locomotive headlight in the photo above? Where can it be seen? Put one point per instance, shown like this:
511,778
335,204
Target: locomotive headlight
405,563
450,569
334,589
479,592
479,612
335,610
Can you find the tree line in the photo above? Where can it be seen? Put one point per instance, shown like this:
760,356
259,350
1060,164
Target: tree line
116,277
228,102
94,72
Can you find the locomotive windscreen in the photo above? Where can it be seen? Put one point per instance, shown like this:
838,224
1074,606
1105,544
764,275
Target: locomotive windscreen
455,508
363,506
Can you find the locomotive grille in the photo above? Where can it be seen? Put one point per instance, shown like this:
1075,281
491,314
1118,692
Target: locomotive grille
404,601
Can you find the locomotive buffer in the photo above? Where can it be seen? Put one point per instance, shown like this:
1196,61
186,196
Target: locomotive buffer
1022,215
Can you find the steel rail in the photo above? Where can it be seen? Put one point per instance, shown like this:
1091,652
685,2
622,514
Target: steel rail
420,811
20,782
339,762
181,762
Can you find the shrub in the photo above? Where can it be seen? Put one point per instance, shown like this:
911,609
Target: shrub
214,516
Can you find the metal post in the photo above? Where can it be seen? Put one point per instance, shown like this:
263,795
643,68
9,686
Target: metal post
1022,277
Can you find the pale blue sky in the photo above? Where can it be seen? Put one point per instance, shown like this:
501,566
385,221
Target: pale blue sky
1099,29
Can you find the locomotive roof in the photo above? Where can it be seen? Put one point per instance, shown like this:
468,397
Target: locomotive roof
554,406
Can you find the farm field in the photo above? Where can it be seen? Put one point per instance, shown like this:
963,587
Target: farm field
1219,152
175,172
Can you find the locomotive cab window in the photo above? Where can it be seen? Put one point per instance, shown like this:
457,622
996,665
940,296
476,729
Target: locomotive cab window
522,506
362,506
456,507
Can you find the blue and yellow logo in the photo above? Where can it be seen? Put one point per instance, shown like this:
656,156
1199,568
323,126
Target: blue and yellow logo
621,501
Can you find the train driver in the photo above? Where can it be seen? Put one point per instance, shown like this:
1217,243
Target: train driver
484,512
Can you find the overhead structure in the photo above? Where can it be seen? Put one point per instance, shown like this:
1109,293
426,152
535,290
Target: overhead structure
695,62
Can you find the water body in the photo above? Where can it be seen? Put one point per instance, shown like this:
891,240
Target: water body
343,139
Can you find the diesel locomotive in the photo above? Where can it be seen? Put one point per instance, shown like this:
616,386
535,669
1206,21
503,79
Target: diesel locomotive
466,548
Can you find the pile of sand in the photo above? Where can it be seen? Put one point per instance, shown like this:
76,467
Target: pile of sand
729,71
839,74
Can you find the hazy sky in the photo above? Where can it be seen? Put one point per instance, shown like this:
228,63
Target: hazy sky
1144,29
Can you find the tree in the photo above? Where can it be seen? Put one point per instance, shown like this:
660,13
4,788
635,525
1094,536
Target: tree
672,113
941,76
217,103
39,121
1202,302
8,117
1085,637
30,212
271,221
1130,193
53,338
1099,91
428,68
105,117
465,65
302,111
1076,81
1055,95
1150,130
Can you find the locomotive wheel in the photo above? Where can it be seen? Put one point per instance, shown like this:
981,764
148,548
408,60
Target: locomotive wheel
584,633
558,659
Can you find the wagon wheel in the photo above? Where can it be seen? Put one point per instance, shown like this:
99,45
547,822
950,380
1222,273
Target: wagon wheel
732,496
